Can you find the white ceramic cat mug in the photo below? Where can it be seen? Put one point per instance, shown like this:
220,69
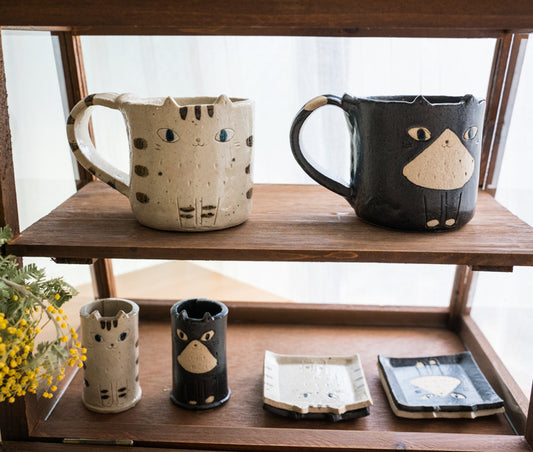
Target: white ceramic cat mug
190,158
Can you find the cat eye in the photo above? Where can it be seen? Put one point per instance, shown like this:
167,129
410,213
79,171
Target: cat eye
181,335
207,336
470,133
168,135
224,135
97,338
123,336
419,133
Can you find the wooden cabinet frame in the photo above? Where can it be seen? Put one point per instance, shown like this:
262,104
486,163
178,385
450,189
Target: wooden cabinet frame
509,23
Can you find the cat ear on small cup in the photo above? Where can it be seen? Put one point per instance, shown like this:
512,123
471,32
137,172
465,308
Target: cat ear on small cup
121,315
95,315
183,315
207,317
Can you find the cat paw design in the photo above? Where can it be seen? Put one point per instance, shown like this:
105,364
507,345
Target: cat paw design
432,223
210,399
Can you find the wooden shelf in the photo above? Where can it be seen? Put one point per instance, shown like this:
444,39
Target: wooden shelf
288,223
274,17
242,423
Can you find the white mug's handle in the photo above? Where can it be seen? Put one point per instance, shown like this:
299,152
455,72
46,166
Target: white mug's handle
82,145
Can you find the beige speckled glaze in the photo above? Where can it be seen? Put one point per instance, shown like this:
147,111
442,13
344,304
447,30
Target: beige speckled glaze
190,158
110,333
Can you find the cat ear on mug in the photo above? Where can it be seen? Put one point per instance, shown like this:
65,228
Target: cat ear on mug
223,99
421,100
170,102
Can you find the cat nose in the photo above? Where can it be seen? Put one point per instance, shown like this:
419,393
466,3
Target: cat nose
197,140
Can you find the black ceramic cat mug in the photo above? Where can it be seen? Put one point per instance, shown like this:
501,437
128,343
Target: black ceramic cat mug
414,159
199,376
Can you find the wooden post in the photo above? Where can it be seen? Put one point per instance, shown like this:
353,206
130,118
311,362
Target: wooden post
506,68
76,89
529,424
8,196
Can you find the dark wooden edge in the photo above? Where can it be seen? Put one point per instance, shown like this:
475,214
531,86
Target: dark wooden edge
288,17
529,425
103,278
516,403
493,268
75,84
262,30
503,83
312,314
92,446
8,196
463,284
272,439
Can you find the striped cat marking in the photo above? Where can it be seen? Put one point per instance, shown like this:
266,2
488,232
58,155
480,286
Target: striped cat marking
184,152
112,363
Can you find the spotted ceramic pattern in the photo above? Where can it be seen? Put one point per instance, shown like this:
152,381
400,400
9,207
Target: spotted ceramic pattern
190,158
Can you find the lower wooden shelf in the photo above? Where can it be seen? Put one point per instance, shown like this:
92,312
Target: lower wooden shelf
243,424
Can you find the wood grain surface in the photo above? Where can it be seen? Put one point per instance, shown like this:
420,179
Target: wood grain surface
243,422
288,223
275,17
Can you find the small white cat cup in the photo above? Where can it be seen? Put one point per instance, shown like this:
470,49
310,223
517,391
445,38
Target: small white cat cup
190,158
110,333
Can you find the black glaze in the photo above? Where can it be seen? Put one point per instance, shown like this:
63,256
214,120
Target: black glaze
199,331
332,417
474,387
381,147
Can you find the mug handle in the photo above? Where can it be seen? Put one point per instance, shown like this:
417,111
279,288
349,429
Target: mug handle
82,145
303,114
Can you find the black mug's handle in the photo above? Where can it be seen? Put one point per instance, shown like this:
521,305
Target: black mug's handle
303,114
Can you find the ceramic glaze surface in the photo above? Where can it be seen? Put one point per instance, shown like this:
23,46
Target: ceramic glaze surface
414,159
190,158
450,386
315,384
199,372
109,330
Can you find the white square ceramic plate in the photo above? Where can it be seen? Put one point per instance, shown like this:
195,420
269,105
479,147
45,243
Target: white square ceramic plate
308,385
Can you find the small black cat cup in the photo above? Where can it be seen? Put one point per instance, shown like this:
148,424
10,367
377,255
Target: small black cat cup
199,376
415,159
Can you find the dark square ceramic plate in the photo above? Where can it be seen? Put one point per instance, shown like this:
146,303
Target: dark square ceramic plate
450,386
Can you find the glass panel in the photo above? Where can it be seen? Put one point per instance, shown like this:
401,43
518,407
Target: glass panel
502,303
42,159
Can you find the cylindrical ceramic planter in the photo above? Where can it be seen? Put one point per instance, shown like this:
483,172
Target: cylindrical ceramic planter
199,376
110,333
